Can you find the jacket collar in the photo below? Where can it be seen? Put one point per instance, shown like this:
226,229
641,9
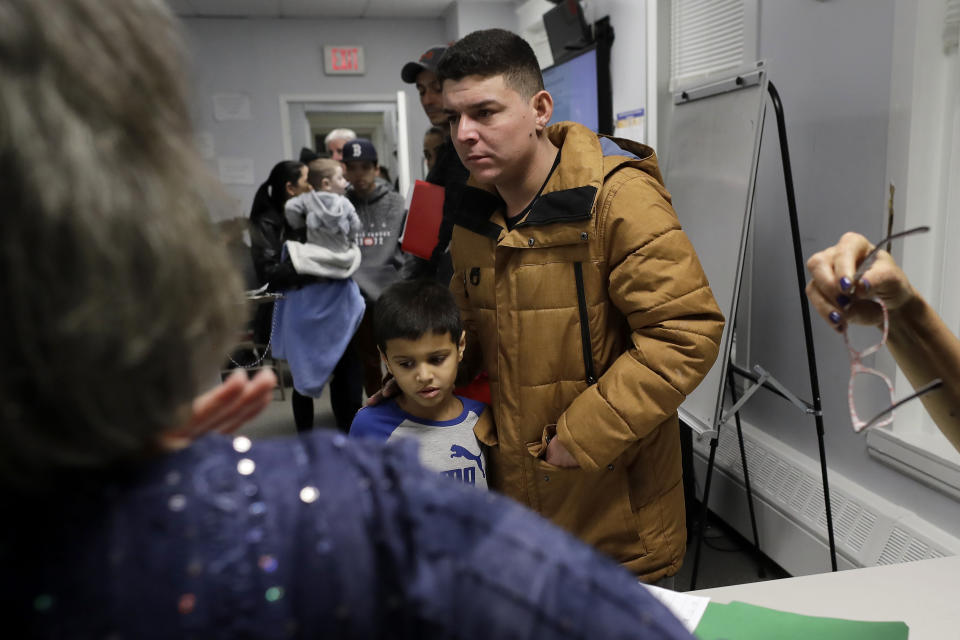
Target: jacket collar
568,197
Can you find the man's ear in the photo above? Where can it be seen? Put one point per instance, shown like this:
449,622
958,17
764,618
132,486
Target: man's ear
461,346
542,103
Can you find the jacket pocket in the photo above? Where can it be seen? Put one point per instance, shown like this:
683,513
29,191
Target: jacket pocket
593,505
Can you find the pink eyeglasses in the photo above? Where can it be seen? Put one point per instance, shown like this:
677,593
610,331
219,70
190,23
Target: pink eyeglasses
857,367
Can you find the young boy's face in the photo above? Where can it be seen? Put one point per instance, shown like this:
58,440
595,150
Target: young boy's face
425,370
337,184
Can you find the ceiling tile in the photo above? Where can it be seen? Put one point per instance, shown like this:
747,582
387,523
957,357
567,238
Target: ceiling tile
236,8
406,8
322,8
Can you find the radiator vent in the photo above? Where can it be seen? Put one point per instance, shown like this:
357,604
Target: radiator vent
893,550
861,530
815,505
845,519
801,498
867,530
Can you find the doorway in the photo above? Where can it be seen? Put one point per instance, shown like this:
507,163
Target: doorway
306,120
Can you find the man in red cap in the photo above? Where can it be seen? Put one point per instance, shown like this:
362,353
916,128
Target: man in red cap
447,171
423,74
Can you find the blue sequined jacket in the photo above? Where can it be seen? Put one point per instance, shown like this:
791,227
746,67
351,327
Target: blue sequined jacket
314,537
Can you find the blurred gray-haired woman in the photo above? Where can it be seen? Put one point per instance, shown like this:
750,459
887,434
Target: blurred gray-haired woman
121,519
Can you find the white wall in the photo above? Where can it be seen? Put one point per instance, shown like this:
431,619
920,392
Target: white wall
628,58
463,17
832,63
266,58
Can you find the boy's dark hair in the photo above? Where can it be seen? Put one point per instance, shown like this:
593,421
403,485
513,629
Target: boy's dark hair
492,52
412,308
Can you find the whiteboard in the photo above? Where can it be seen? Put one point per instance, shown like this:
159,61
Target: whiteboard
711,172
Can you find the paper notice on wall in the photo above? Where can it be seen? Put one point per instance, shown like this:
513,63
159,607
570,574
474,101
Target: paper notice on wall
632,125
204,142
235,170
231,106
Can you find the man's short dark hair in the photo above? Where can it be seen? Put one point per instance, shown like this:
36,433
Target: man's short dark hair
493,52
412,308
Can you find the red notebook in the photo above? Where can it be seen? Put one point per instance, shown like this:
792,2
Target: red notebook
423,219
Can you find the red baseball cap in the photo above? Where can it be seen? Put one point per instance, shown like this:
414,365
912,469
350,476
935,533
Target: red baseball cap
429,60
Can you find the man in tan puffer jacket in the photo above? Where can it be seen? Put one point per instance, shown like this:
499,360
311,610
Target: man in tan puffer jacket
585,302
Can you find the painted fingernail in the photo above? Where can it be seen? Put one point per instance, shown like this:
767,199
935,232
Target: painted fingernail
865,284
843,300
835,317
845,283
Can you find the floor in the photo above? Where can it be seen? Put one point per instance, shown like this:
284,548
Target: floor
726,557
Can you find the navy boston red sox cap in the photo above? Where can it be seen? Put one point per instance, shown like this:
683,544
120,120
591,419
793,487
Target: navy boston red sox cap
359,149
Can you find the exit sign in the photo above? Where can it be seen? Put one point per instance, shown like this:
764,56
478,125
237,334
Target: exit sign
343,60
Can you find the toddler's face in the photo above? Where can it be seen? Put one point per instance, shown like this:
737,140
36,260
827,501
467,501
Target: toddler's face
337,184
425,370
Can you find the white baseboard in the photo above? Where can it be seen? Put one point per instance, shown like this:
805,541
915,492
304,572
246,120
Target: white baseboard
869,530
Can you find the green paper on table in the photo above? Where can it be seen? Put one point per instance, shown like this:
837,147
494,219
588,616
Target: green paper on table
741,621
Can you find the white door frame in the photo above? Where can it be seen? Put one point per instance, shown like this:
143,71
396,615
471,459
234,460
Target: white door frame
399,99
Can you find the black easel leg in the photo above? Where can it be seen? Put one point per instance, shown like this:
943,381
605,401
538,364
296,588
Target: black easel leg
746,474
702,525
805,306
826,492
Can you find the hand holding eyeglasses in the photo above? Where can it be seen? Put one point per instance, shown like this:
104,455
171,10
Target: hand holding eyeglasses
856,282
846,276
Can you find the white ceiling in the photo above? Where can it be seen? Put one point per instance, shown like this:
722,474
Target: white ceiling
318,8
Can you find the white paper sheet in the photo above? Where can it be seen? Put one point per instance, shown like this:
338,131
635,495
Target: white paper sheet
632,125
205,145
235,170
688,609
231,106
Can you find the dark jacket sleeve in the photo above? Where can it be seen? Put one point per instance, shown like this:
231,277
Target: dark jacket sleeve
267,235
449,173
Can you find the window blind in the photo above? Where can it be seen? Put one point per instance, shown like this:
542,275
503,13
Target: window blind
707,36
951,25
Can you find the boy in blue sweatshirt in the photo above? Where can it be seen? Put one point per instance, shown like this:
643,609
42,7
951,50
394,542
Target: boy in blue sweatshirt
418,332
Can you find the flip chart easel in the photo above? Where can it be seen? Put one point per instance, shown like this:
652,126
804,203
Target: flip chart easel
715,135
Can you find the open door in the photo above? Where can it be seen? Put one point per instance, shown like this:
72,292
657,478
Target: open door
306,120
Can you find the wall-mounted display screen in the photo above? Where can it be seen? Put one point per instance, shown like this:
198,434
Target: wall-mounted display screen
574,87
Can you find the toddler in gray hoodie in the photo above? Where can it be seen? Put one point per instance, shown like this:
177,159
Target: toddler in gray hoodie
332,225
313,324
